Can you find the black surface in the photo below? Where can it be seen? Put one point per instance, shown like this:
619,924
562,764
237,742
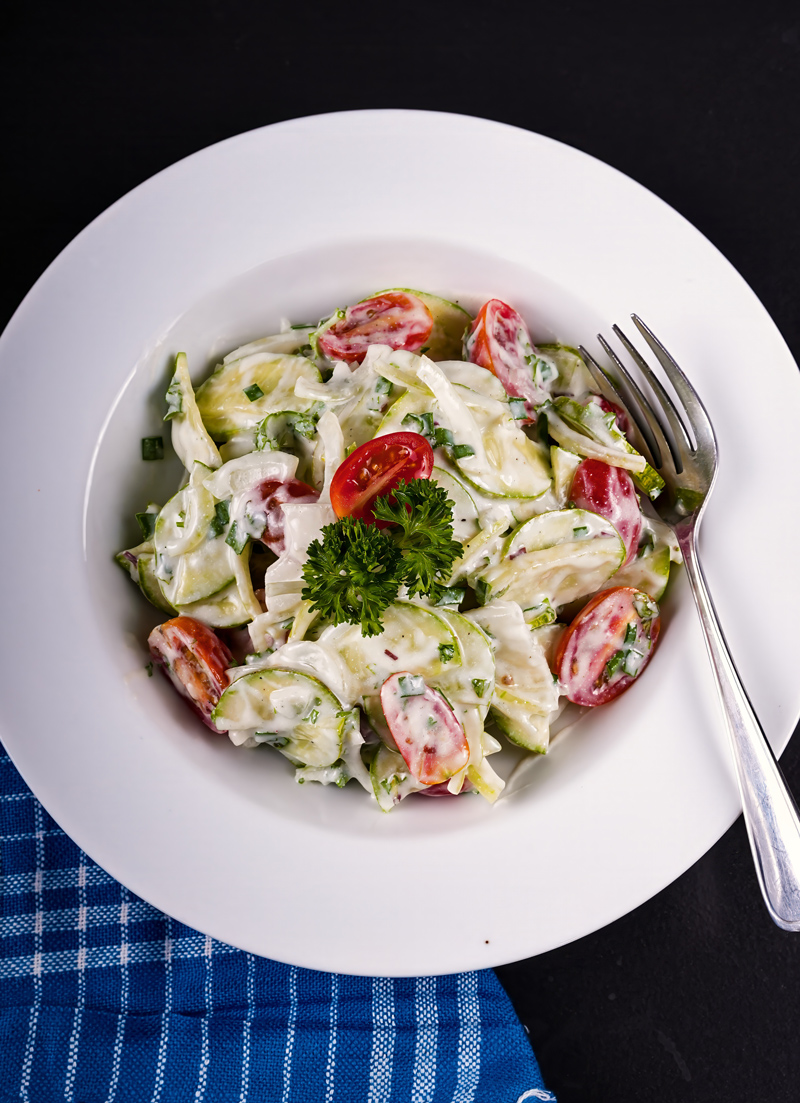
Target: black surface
693,997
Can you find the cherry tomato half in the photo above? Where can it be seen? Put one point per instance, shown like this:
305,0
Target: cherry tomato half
609,491
395,318
499,340
607,646
427,732
268,500
375,469
195,660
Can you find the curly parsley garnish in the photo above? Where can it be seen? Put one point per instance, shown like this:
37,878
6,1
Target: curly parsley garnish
425,518
355,573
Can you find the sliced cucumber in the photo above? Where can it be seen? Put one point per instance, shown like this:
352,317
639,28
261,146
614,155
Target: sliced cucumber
223,610
377,721
574,378
293,712
149,584
414,639
449,323
391,778
190,437
472,682
519,723
558,556
564,465
191,564
512,465
242,392
465,512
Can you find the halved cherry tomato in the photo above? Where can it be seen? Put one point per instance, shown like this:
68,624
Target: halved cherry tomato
499,340
375,469
269,498
607,646
395,318
195,660
609,491
427,732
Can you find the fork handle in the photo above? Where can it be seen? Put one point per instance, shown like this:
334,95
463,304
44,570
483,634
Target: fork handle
770,813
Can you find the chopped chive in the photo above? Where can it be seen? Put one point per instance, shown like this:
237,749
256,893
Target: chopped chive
630,634
411,685
313,716
236,540
302,325
174,397
254,392
446,652
613,664
221,518
413,422
517,407
461,451
423,350
479,685
581,530
152,448
149,668
482,591
442,438
147,523
383,386
633,662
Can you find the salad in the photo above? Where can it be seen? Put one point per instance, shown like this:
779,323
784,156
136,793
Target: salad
403,536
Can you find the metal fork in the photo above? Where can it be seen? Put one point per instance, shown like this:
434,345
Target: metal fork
688,465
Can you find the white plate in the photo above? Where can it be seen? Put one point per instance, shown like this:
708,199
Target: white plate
295,219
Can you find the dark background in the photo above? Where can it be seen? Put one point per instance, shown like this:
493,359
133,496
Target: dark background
695,996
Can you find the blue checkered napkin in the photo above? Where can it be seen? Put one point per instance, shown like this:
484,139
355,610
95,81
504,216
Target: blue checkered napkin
103,998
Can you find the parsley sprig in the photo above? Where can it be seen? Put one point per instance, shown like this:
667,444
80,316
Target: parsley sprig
355,572
425,518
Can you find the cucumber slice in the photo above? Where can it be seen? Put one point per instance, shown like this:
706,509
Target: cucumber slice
190,564
391,778
472,682
574,378
223,610
514,466
414,639
190,438
377,721
149,584
558,556
465,512
564,465
293,712
519,723
270,378
449,323
413,402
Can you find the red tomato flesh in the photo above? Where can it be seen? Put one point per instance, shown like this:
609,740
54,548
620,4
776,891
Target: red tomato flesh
375,469
427,732
609,491
269,499
395,318
195,660
607,646
499,340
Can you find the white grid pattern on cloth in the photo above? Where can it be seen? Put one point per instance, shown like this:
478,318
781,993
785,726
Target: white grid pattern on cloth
469,1038
116,1059
163,1041
205,1056
424,1083
330,1064
382,1056
101,957
77,1020
246,1028
290,1024
35,960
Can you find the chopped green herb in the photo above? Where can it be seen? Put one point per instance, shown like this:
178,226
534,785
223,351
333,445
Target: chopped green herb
580,530
479,685
152,448
149,668
630,634
313,716
411,685
517,406
451,595
423,350
254,392
613,664
482,591
236,539
461,451
272,739
424,514
442,438
222,516
633,662
446,652
147,523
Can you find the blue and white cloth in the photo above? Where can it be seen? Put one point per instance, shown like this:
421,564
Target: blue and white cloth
103,999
